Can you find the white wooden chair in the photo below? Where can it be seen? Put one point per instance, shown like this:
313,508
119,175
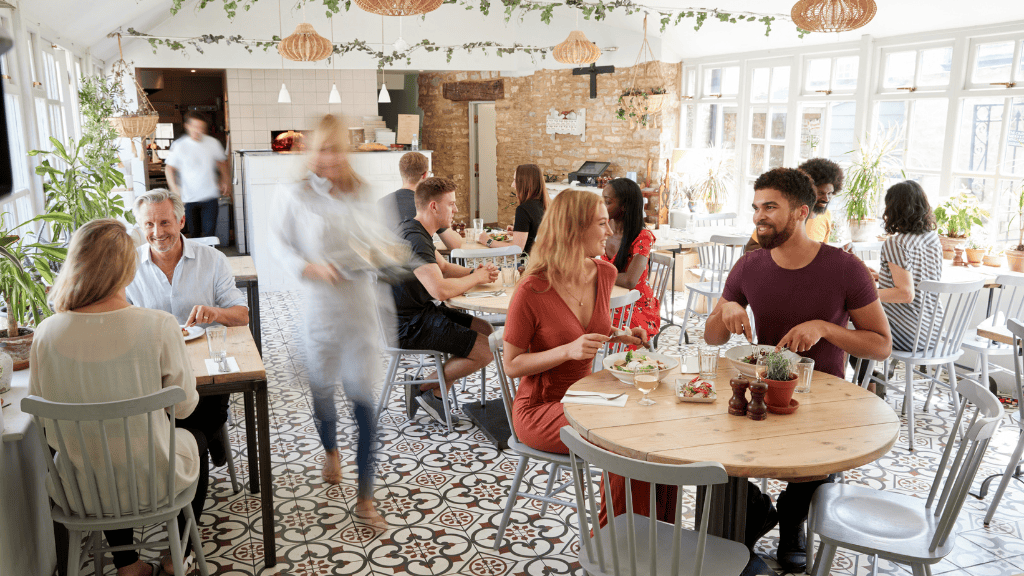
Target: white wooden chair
658,276
1017,329
77,488
623,306
714,220
716,260
1007,302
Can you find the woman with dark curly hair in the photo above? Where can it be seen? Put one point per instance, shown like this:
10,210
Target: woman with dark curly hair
912,254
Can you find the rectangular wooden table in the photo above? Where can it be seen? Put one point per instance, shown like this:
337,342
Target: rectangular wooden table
251,381
244,271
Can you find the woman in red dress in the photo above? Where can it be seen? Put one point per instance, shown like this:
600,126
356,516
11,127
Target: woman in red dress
629,249
557,321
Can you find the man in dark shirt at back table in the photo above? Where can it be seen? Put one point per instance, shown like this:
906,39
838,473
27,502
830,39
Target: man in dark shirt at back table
803,294
400,205
423,325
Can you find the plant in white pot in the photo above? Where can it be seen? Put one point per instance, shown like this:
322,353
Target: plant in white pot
955,217
1015,256
875,159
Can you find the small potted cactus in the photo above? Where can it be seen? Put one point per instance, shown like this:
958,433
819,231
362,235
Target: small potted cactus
975,252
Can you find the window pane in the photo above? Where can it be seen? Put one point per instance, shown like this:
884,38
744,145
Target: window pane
818,72
775,156
31,59
935,65
930,183
980,187
691,83
778,125
731,80
840,131
690,113
756,159
899,69
927,133
811,134
758,125
1006,208
993,62
980,121
1013,158
53,91
893,116
846,73
704,120
713,81
780,83
15,135
759,85
730,117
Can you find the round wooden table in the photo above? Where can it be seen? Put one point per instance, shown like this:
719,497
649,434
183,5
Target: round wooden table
837,427
497,304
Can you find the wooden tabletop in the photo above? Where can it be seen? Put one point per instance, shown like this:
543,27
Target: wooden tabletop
952,273
498,304
241,347
669,238
242,267
838,426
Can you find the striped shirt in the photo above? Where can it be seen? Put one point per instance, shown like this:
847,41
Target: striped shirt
921,256
202,276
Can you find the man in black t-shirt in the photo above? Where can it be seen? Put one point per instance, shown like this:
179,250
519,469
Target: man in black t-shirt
400,205
423,325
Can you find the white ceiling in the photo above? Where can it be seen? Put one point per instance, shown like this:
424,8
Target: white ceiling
86,23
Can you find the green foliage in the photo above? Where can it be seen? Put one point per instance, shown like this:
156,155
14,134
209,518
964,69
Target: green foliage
876,159
25,270
96,99
778,366
959,214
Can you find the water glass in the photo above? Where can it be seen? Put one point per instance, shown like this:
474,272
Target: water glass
691,224
804,373
508,275
708,362
478,228
646,381
217,340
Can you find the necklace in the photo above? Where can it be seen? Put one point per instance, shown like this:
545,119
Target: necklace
578,300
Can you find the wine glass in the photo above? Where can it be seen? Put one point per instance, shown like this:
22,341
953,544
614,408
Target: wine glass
645,379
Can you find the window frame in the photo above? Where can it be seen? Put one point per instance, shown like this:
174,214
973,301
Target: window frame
918,48
1016,74
832,57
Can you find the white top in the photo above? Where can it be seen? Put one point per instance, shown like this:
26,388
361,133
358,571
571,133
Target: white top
196,163
108,356
202,276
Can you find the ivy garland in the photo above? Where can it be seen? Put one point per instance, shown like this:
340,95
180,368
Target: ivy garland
383,58
591,9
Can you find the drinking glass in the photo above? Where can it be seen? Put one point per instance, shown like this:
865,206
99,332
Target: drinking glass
708,362
761,368
217,340
804,373
508,275
646,380
478,228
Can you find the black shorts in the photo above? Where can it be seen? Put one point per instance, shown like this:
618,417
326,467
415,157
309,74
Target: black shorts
438,328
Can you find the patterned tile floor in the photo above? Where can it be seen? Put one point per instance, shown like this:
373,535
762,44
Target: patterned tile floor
443,493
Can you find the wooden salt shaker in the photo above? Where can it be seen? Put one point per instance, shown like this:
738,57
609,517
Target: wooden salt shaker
757,409
738,402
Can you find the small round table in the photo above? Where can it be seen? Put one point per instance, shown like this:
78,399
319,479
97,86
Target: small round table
837,427
498,304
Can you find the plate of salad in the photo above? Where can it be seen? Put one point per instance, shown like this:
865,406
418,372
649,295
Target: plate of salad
623,364
695,390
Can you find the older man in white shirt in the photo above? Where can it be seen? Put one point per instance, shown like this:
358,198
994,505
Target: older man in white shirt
191,281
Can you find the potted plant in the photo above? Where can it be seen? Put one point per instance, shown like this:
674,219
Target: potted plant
875,160
637,105
975,252
780,378
955,218
1015,257
25,272
708,176
993,257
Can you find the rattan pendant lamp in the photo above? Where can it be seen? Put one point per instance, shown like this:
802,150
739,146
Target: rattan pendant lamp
576,49
399,7
305,45
832,15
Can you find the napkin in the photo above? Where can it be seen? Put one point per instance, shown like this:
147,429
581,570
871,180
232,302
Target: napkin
689,365
595,398
212,367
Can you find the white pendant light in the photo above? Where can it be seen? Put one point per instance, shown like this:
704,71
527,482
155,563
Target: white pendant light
283,97
384,97
335,97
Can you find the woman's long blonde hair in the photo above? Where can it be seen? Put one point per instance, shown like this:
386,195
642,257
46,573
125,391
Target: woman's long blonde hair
331,130
557,254
101,260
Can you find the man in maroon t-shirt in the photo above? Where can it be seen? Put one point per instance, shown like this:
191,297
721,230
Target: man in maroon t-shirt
803,294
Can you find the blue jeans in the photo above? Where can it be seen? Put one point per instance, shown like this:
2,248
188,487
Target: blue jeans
201,217
325,416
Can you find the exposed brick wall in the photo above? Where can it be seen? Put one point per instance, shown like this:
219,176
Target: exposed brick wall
521,127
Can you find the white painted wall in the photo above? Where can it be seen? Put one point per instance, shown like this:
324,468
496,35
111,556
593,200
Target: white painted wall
487,157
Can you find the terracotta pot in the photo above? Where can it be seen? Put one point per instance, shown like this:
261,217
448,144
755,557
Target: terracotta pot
948,254
952,243
18,347
864,230
974,256
1015,258
714,207
994,260
780,392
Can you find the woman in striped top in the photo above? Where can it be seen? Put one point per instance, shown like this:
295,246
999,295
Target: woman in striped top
912,254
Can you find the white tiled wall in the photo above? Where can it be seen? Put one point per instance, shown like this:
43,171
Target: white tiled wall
253,110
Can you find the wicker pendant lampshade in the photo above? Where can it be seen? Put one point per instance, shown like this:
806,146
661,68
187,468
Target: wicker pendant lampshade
832,15
399,7
576,49
305,45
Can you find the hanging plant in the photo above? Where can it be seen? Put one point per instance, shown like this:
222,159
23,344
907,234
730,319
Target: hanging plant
130,122
639,104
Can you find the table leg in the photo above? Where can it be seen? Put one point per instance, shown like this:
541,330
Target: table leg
267,500
250,442
252,291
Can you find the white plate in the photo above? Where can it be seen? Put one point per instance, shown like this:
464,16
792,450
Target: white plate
194,332
627,377
735,353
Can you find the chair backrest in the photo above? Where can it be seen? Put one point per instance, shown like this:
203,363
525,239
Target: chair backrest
91,437
207,240
718,258
1017,329
947,312
984,423
622,306
709,220
583,455
497,256
1007,300
659,274
507,385
867,250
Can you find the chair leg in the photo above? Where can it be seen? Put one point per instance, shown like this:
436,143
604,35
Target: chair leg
446,394
908,402
225,439
385,392
953,395
513,492
197,543
1014,459
931,387
823,560
177,557
919,569
686,317
75,553
552,474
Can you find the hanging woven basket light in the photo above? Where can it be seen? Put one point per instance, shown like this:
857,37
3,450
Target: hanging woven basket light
399,7
832,15
576,49
305,45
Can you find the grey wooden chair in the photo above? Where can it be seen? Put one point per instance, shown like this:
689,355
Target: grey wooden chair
623,305
658,277
78,478
902,528
634,545
555,462
418,359
710,220
1017,329
1006,302
867,250
716,260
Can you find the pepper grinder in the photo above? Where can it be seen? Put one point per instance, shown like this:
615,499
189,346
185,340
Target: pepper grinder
738,402
757,409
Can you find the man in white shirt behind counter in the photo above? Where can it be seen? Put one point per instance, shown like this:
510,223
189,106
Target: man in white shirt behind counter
191,281
197,171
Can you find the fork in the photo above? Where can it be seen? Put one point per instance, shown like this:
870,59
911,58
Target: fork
588,395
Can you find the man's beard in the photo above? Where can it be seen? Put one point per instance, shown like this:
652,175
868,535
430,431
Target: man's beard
779,237
819,209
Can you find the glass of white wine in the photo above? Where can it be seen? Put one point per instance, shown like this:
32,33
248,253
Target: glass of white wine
645,379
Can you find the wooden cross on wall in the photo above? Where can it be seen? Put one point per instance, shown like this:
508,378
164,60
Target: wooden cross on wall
593,71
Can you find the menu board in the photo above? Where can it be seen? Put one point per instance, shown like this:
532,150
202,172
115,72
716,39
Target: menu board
408,126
